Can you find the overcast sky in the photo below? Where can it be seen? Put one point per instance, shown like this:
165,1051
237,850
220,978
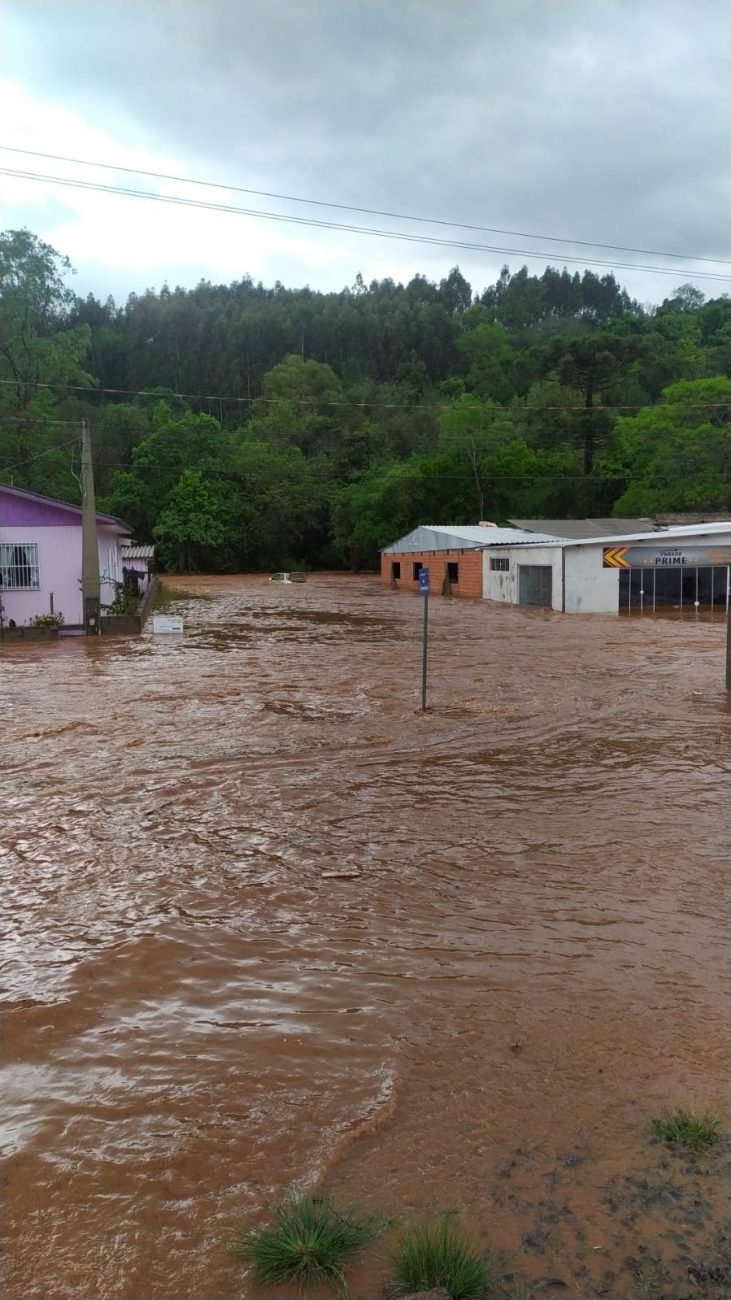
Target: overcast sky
588,119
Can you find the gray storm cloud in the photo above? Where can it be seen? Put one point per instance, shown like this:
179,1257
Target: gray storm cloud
596,120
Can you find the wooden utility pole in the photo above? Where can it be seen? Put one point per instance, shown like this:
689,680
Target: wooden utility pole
90,586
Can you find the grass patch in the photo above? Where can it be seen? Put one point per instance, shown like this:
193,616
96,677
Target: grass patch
309,1243
684,1129
439,1255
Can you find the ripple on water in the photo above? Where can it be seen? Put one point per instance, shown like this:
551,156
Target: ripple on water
531,957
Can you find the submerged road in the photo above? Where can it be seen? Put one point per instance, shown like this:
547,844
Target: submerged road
529,960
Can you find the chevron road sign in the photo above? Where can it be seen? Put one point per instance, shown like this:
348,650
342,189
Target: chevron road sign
665,557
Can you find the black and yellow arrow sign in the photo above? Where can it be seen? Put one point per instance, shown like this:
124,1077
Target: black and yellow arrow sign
614,557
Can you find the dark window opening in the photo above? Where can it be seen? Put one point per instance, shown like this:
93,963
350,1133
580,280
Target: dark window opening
395,569
418,566
648,588
499,563
453,571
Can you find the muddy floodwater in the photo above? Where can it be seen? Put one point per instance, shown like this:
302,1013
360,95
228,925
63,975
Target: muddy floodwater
528,959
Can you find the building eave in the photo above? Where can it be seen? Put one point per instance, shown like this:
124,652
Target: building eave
109,521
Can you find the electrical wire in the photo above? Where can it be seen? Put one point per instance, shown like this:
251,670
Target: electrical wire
372,212
178,201
7,469
315,402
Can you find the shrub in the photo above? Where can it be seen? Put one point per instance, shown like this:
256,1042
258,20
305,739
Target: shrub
682,1128
310,1242
439,1255
47,620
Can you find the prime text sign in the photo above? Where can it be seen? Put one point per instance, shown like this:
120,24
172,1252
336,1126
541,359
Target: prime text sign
665,557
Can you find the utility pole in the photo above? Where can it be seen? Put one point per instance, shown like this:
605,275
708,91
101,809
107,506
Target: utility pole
728,628
90,586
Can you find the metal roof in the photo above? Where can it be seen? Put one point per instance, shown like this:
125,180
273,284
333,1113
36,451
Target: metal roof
658,534
583,528
463,537
138,552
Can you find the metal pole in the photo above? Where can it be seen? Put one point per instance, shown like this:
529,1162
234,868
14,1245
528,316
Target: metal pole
90,585
424,653
728,636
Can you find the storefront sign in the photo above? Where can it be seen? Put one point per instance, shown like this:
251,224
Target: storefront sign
665,557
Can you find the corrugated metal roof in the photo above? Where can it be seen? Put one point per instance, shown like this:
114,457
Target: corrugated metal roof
659,534
463,537
582,528
138,552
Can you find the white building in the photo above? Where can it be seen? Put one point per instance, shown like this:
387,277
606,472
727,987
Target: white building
675,566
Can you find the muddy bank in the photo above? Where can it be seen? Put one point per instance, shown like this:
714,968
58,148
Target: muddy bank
531,961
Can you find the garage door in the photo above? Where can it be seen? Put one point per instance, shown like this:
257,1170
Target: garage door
535,585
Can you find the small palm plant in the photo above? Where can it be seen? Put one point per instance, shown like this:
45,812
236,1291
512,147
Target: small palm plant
310,1242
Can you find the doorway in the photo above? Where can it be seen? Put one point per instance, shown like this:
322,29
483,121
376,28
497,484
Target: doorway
535,584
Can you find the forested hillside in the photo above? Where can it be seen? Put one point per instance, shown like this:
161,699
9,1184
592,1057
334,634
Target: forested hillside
242,427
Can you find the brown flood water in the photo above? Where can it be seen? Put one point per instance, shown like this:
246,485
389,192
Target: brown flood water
532,961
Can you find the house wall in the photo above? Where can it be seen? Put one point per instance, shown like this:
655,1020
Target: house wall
59,560
470,570
504,586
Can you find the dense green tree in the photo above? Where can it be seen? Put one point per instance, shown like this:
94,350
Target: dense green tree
294,426
36,345
194,523
676,455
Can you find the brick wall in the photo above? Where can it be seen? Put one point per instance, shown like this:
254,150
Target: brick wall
470,571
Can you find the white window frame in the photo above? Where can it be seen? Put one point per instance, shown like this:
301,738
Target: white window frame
499,564
31,567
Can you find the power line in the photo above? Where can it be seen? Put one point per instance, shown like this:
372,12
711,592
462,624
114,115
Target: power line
432,241
466,476
316,402
6,418
372,212
6,469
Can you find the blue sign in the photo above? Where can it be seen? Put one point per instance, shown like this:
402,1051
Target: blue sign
423,582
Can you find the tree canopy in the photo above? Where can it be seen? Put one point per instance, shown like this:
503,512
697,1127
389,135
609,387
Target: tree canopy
239,426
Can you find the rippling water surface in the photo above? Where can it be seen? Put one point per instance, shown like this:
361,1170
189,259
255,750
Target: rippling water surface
530,962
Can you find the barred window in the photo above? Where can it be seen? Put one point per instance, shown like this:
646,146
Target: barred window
19,566
499,563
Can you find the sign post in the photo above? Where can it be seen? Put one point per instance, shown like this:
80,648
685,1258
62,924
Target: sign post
424,592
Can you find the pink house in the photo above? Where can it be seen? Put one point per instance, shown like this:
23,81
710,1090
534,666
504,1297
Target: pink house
40,556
